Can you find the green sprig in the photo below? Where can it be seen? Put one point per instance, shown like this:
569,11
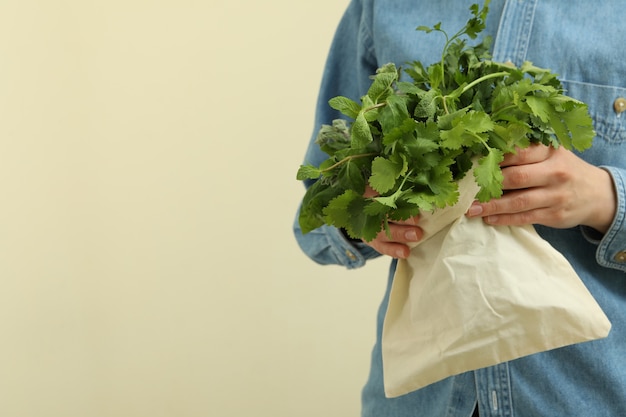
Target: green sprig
412,141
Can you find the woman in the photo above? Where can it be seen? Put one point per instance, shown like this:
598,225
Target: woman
576,200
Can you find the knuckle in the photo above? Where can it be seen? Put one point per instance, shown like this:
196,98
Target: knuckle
519,203
516,178
561,176
560,216
523,155
527,217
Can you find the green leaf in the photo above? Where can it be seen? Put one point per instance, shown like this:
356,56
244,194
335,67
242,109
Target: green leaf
375,208
308,172
381,87
425,202
315,199
477,24
385,172
361,134
351,176
346,106
336,212
400,132
466,131
477,122
370,109
448,121
334,138
388,201
455,137
488,175
426,29
461,108
443,187
435,75
406,87
540,107
426,107
394,114
362,225
580,124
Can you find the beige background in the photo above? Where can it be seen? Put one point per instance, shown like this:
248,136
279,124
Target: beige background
147,265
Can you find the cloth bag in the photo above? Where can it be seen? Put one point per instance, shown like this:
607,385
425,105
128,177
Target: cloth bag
472,295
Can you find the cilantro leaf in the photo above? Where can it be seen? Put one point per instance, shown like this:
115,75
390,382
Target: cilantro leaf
488,175
385,172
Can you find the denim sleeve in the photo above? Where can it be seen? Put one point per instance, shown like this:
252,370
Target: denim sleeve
611,252
350,63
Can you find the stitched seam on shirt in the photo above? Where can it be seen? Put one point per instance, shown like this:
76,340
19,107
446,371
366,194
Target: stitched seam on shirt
365,33
612,87
526,29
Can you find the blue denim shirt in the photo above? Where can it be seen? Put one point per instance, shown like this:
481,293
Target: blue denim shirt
584,42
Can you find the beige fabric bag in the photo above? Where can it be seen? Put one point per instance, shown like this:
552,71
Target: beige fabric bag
472,295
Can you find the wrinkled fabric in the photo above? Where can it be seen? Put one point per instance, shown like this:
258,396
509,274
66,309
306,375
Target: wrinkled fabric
472,295
583,42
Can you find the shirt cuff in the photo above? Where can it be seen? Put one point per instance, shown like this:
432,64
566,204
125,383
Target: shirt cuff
349,252
611,251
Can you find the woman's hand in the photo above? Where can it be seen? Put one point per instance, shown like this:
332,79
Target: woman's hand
551,187
401,233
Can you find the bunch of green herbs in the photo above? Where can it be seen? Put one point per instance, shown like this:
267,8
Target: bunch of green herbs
412,141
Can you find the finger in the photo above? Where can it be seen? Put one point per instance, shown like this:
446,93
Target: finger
369,192
395,250
403,233
529,155
517,177
519,203
547,216
394,244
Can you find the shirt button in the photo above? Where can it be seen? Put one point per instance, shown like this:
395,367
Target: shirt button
352,256
619,105
621,256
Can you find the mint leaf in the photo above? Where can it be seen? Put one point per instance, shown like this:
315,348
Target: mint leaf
383,82
394,113
361,135
334,138
308,172
346,106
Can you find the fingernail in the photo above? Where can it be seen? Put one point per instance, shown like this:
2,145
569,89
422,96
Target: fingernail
475,210
491,219
411,235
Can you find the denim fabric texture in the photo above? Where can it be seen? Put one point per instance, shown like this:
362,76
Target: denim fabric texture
585,43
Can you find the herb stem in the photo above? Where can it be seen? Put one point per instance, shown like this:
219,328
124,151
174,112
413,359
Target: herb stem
496,113
445,105
482,140
375,106
346,159
484,78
